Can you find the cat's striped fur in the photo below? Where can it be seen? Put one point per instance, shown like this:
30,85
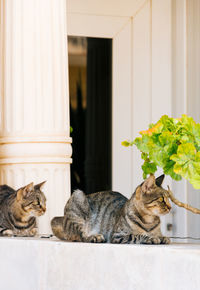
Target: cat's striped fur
110,217
19,209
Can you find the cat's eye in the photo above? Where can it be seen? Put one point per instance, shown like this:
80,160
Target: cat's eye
161,199
38,201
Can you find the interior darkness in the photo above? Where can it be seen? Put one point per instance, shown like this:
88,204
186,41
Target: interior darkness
90,79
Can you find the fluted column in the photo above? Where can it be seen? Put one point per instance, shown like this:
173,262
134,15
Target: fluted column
34,101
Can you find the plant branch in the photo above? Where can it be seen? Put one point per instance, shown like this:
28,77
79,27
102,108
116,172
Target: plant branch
181,204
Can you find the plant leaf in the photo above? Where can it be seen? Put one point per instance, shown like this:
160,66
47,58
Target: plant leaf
172,144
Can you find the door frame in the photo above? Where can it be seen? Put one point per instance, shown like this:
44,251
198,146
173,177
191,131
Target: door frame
119,30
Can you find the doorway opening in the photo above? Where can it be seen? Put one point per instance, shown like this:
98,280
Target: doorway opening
90,86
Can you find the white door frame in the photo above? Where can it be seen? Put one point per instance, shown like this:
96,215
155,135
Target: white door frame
119,30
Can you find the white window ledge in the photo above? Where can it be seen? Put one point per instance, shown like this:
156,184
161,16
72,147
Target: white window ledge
43,264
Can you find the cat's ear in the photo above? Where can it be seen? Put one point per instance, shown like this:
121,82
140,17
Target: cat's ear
25,191
148,184
159,180
40,185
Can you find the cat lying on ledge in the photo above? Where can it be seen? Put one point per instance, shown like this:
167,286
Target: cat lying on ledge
19,209
112,218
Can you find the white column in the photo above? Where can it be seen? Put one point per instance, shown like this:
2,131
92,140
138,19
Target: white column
34,101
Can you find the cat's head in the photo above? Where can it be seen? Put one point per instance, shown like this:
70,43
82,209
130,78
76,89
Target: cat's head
152,198
31,199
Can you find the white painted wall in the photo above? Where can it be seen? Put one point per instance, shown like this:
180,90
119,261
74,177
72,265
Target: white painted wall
186,92
151,78
179,100
193,95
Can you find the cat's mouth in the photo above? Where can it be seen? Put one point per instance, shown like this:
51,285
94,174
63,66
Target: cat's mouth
38,212
168,206
166,210
161,211
42,211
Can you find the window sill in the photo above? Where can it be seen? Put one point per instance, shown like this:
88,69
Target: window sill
49,264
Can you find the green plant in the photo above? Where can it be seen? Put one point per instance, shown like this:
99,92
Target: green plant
172,144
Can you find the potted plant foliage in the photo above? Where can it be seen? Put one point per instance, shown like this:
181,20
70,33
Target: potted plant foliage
172,144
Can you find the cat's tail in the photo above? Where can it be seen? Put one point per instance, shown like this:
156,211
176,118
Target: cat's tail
57,227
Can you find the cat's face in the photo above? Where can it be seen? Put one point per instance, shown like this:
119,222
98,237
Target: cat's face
153,198
32,199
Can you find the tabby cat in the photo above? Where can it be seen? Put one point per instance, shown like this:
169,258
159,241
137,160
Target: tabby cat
19,209
111,217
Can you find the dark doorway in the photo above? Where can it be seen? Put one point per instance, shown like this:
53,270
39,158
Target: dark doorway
90,80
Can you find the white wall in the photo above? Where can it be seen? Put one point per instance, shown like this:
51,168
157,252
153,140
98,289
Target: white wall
186,92
151,64
151,75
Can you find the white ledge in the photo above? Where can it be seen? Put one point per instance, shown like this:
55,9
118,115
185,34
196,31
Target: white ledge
43,264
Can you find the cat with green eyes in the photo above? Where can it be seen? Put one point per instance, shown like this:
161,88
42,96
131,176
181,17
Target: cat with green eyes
19,209
111,217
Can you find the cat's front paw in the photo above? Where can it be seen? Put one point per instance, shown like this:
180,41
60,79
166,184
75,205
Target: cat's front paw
96,239
165,240
145,239
33,232
150,240
8,233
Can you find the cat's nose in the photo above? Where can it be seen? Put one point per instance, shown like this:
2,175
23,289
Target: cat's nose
44,208
168,206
